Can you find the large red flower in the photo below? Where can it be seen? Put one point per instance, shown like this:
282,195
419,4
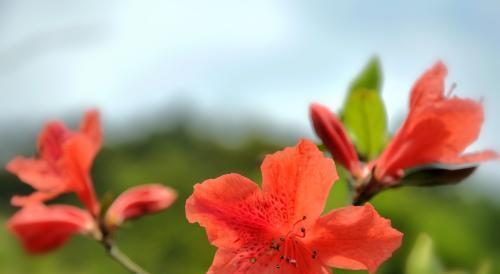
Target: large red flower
63,163
437,130
278,229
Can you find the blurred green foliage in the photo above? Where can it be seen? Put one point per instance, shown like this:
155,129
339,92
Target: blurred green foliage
465,231
423,259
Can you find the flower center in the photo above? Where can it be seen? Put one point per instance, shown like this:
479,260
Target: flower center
290,248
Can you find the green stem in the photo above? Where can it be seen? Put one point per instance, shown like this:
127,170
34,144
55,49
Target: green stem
115,253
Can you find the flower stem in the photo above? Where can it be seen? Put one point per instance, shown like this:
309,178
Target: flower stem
116,254
366,190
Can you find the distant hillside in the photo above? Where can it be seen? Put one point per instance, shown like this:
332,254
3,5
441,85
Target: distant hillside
465,230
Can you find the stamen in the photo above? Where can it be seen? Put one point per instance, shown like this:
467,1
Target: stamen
303,230
292,251
275,245
297,222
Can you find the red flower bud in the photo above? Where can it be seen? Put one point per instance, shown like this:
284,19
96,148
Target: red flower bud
138,201
333,135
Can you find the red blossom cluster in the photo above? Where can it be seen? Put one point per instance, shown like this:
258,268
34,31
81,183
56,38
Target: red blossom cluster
437,130
63,165
278,229
275,228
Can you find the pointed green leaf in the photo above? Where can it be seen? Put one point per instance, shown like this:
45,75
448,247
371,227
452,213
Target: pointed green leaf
422,258
364,112
369,78
365,119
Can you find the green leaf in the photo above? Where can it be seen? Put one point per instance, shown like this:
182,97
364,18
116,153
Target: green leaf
369,78
422,258
365,119
439,174
364,114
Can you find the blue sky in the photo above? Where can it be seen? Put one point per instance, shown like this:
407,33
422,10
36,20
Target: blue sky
237,63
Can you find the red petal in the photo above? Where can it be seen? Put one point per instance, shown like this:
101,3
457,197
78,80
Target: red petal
91,127
298,181
41,175
41,228
430,87
78,156
333,135
435,133
354,237
242,262
229,209
44,173
50,141
36,197
37,173
475,157
138,201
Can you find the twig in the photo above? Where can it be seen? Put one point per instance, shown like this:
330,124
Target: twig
365,191
115,253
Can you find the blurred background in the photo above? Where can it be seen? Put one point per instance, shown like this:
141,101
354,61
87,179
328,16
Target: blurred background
190,90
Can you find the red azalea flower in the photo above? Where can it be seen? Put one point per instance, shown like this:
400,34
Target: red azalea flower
278,229
63,163
436,131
